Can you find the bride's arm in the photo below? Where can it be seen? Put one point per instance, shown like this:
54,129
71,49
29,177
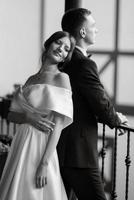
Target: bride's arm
37,120
41,174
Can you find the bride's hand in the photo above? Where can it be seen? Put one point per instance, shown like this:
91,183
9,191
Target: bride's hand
41,176
40,122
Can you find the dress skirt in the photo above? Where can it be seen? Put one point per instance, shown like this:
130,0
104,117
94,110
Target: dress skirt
24,157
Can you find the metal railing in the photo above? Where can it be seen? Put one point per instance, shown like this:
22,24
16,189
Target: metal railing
127,163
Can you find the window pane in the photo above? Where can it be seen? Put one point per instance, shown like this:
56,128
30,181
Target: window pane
126,39
125,94
103,13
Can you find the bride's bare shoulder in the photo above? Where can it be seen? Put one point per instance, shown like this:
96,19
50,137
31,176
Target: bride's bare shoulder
30,80
62,79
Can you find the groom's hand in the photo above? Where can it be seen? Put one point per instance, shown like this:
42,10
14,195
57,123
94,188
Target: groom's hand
124,121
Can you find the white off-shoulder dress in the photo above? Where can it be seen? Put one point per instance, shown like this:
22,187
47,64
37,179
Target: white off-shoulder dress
28,146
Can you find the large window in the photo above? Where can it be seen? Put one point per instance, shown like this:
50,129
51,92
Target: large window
114,49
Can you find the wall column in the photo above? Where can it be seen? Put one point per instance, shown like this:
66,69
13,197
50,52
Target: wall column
69,4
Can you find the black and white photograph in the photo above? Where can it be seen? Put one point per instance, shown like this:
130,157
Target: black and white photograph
66,100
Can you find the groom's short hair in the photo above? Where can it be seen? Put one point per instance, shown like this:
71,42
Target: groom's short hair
73,19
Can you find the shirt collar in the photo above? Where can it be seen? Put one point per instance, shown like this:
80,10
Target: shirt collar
82,50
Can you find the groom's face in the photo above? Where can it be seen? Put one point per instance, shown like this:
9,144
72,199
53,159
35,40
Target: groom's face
90,30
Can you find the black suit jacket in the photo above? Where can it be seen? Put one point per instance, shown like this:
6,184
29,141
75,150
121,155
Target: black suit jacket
77,146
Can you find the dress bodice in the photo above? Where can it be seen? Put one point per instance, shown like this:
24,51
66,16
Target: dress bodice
44,98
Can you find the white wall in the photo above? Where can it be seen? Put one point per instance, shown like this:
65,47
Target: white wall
20,34
54,10
19,41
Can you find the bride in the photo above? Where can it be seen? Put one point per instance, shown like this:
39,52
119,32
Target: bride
32,170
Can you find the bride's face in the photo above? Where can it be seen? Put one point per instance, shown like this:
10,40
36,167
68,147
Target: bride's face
59,49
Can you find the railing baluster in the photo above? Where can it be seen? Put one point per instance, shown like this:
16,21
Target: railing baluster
114,194
127,161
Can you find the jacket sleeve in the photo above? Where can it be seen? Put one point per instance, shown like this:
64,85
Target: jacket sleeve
94,93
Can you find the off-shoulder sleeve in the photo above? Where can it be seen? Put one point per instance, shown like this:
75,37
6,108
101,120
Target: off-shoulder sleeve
42,97
59,100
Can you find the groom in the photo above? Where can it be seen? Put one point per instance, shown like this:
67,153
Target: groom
77,148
